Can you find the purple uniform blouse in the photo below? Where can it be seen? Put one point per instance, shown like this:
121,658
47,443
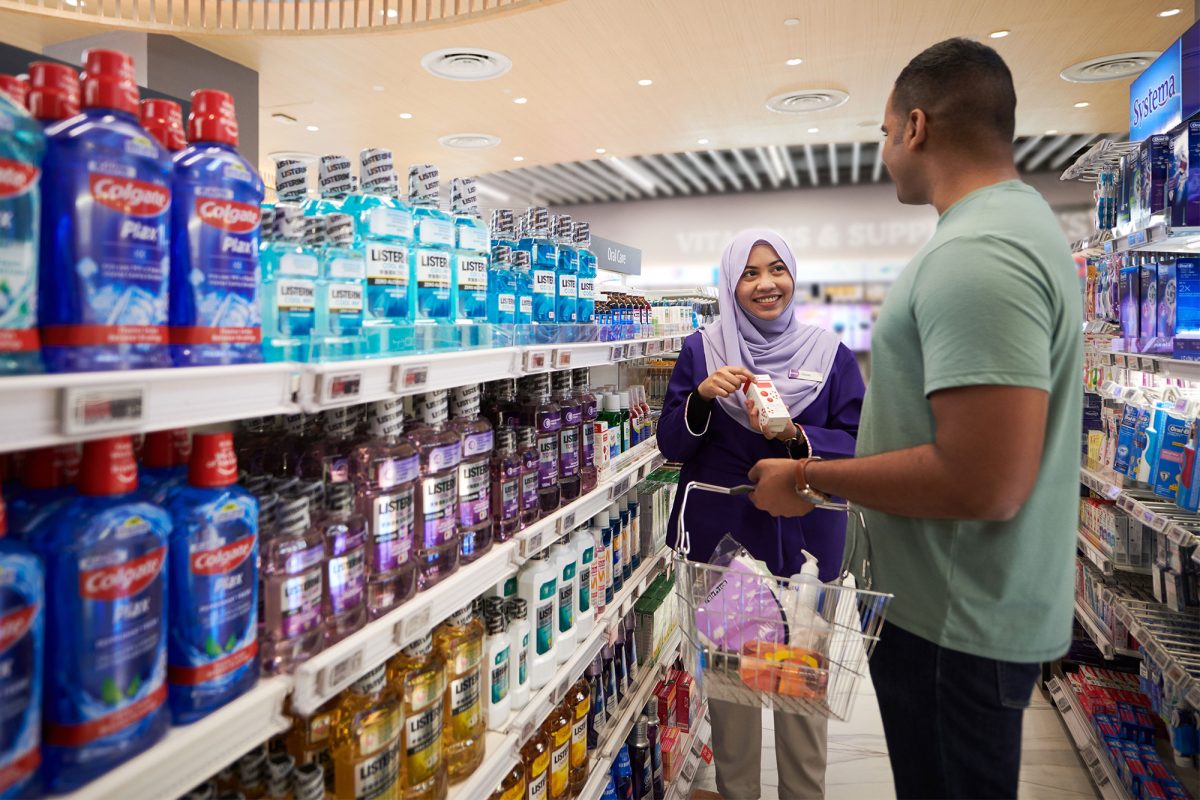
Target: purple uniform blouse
723,453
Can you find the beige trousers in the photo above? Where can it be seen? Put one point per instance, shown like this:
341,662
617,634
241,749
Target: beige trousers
800,750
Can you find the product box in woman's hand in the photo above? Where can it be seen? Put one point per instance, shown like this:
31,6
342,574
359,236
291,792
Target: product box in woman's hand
773,415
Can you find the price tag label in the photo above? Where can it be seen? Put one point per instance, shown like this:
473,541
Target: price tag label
567,522
333,678
559,693
562,359
616,353
1149,364
111,408
653,348
1136,238
410,378
537,360
1120,359
532,545
340,387
413,625
526,730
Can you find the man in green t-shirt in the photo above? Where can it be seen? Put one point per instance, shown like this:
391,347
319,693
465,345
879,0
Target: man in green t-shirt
967,464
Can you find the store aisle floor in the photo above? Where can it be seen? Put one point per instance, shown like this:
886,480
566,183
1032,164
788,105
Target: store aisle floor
858,764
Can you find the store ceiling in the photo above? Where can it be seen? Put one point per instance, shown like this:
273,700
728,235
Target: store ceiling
713,65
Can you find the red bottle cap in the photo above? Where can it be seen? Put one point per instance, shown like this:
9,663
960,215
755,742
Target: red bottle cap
53,90
109,81
166,448
163,119
108,467
212,118
42,469
16,87
213,462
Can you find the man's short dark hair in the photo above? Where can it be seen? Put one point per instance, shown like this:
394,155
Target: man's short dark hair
965,89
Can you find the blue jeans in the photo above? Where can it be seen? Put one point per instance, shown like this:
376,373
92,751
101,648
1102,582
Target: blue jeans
952,720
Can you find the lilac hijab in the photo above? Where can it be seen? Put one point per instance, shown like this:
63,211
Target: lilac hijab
797,357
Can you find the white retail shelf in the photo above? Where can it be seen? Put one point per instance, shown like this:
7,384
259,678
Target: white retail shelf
681,787
1111,486
1094,554
1167,638
1088,744
1167,367
595,354
191,754
329,672
501,753
41,410
1100,636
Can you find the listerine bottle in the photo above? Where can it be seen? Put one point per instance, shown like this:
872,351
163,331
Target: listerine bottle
366,740
523,287
502,288
437,499
341,290
531,507
291,181
570,435
586,312
292,587
333,183
419,674
538,242
289,274
383,228
433,243
472,246
504,228
506,486
474,474
567,291
588,407
544,415
459,640
345,533
384,471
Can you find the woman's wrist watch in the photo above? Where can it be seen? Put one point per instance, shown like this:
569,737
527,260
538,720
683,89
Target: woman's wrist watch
798,446
804,488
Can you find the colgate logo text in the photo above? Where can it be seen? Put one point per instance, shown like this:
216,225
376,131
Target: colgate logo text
227,215
129,196
122,580
222,559
16,177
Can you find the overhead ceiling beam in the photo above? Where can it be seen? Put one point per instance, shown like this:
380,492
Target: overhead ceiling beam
785,158
769,168
492,190
665,172
511,185
568,184
1083,140
1050,149
750,172
1026,148
855,161
833,164
812,165
877,170
586,177
730,175
640,176
703,169
686,171
607,173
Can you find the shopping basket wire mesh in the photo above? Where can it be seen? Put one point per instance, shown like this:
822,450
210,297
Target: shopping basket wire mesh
764,641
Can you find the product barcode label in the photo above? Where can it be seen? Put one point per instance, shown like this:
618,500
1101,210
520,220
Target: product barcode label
410,378
86,410
342,386
567,522
536,360
333,678
562,359
412,626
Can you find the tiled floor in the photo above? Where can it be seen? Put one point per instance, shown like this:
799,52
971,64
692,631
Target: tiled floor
858,766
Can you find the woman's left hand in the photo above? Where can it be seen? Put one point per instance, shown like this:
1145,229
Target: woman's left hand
788,432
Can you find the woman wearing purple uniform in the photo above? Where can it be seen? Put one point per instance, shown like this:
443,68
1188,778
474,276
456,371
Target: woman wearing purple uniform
706,425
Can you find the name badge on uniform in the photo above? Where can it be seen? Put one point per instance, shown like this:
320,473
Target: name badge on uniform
799,375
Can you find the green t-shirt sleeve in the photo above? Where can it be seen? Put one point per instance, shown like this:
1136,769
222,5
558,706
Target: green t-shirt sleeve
985,315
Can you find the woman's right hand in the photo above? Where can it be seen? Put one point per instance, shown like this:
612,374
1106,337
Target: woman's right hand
724,382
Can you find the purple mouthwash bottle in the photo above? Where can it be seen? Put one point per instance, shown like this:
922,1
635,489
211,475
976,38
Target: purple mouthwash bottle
546,418
437,501
345,534
506,468
569,435
588,405
531,509
293,583
474,474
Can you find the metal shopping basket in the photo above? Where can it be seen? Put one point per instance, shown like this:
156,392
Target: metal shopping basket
750,641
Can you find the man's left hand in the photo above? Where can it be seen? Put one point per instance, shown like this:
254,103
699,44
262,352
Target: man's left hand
775,488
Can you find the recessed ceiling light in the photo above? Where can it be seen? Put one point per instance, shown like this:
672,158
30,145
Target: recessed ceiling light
74,3
794,62
520,100
814,130
518,158
377,88
1052,133
998,34
469,141
600,151
645,82
1082,104
392,13
312,128
466,64
1170,12
702,141
791,21
405,115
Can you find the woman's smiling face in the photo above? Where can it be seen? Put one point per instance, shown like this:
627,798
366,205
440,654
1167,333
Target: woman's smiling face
765,287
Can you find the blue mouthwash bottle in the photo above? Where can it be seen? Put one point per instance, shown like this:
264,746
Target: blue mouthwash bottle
523,285
586,313
567,293
334,182
433,241
106,633
104,261
165,457
543,261
22,634
504,229
383,228
502,288
215,227
341,290
44,486
21,149
212,611
472,246
289,285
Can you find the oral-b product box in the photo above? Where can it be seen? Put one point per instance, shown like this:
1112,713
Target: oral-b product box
1124,194
1155,155
1130,292
1187,308
1148,288
1183,183
1166,298
1170,457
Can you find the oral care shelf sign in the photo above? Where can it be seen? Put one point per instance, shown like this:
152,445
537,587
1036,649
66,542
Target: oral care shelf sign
1168,92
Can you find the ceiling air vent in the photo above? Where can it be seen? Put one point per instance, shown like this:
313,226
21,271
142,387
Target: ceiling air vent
804,101
466,64
469,141
1108,68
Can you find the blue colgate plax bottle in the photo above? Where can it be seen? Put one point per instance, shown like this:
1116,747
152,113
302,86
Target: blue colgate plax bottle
104,255
105,553
567,288
215,308
433,243
212,647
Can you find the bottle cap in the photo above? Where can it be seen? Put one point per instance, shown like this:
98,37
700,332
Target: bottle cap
334,176
387,418
267,226
561,381
171,448
537,221
565,229
108,467
213,462
293,514
109,81
212,118
495,623
42,469
423,184
516,608
309,781
432,407
163,119
314,232
462,616
501,256
583,234
339,498
624,400
421,646
291,180
339,230
289,223
506,439
520,259
16,87
601,520
53,90
377,170
465,401
580,377
612,403
463,199
503,224
526,436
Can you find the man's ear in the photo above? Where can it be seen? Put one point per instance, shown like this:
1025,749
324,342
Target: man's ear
916,129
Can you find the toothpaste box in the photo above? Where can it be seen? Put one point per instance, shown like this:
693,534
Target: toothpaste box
773,415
